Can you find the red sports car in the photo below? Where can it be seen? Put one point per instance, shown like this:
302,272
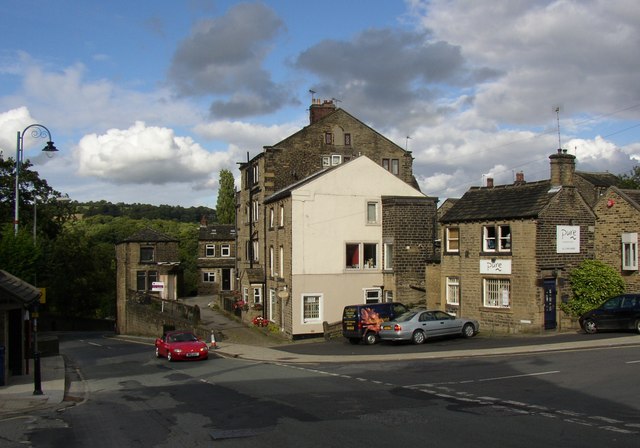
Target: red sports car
183,345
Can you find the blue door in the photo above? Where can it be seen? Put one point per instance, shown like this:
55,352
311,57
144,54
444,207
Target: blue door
550,321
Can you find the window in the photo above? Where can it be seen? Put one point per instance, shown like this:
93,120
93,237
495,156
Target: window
245,294
281,265
369,259
145,279
388,296
282,216
255,250
388,256
209,277
395,166
271,260
336,159
326,161
256,174
210,250
497,293
272,305
372,295
328,138
147,254
453,239
372,212
257,294
385,164
347,139
247,212
496,237
256,210
271,217
311,307
225,250
453,291
630,251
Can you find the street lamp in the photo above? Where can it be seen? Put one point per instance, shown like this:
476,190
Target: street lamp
37,131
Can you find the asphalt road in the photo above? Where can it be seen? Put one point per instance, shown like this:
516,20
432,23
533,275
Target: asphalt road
123,396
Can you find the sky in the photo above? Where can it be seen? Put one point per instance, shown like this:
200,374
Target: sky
148,100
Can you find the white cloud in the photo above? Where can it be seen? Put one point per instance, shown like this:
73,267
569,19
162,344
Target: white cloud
147,155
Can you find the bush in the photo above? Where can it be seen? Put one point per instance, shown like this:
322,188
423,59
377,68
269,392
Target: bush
592,283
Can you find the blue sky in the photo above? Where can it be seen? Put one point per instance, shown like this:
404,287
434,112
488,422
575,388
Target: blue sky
148,100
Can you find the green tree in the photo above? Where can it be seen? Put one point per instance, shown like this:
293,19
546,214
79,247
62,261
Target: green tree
631,180
592,283
18,255
226,205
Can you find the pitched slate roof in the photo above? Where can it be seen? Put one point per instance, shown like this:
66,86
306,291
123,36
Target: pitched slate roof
633,195
217,232
148,235
502,202
599,179
15,290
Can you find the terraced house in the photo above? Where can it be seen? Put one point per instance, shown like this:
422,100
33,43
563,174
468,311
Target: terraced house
507,251
333,138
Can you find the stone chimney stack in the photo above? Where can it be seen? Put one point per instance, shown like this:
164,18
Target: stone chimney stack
320,109
563,166
519,178
489,182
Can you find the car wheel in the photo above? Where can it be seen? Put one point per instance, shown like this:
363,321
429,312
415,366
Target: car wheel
169,358
590,326
468,330
370,338
418,337
638,326
157,352
354,341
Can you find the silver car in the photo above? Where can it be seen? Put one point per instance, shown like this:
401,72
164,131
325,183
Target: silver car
419,325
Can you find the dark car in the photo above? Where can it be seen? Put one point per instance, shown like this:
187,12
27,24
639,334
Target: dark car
183,345
362,322
617,313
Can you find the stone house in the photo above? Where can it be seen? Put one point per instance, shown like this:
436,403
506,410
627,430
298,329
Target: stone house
616,237
146,262
216,258
507,250
338,238
332,137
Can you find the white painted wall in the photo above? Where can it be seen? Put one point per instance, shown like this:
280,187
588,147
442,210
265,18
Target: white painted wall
327,213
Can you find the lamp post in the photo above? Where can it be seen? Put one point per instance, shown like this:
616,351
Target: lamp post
37,131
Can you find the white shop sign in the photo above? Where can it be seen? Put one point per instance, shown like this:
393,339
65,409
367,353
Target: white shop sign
495,266
568,239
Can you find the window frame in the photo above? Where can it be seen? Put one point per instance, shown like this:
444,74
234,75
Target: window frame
257,294
208,277
376,214
493,292
336,159
145,251
271,218
281,216
210,250
225,250
498,236
281,264
629,251
387,263
372,295
395,167
314,309
362,250
347,139
451,239
271,262
328,138
453,290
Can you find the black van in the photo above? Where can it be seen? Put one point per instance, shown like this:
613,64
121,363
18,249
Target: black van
362,322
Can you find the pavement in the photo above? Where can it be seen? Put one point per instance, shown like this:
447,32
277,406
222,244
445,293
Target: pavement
236,340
